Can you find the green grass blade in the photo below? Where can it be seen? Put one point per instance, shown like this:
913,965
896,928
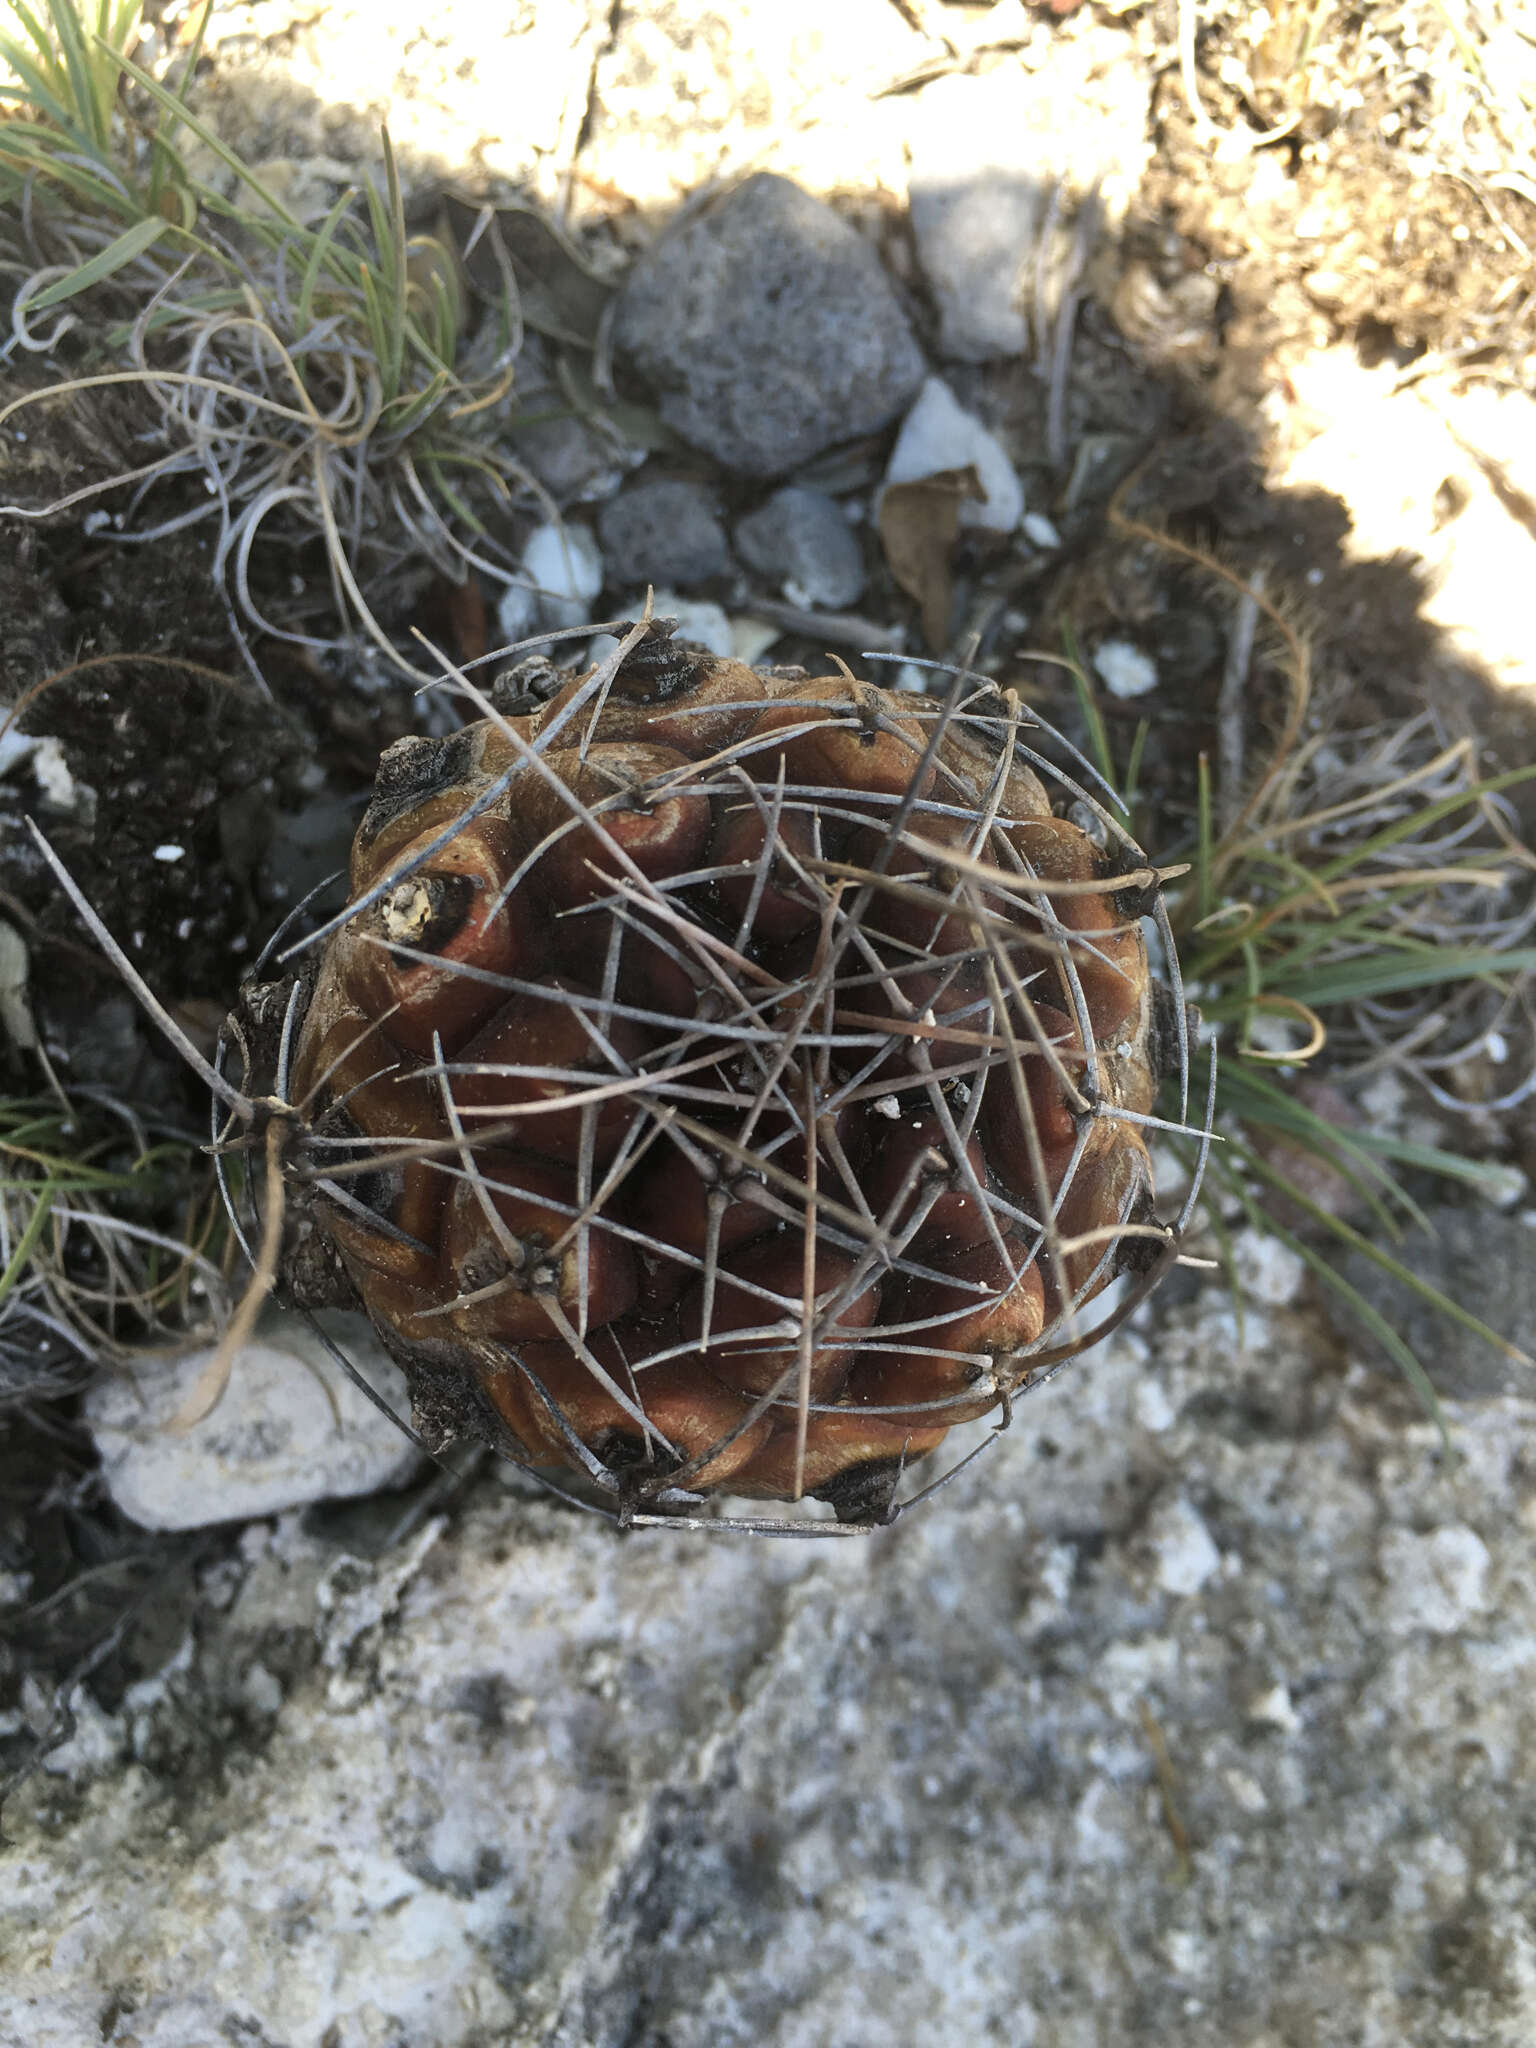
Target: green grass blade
1088,704
1351,981
84,85
27,1242
1425,1289
319,254
1474,1173
205,135
132,242
1205,844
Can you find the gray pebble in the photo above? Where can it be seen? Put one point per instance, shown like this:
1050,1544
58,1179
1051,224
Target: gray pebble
566,454
663,532
801,541
768,330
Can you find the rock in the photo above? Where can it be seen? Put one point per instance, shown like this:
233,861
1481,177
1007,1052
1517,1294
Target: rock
1183,1555
801,541
290,1429
564,570
978,194
937,435
664,1786
1437,1582
567,455
768,330
1479,1257
1123,669
705,624
1267,1271
987,152
665,531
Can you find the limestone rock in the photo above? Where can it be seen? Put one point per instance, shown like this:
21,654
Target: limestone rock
290,1428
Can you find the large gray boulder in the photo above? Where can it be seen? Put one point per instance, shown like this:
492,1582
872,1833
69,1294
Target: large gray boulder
768,330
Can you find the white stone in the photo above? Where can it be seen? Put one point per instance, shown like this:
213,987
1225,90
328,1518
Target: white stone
1247,1792
290,1429
697,620
1272,1708
1123,669
939,434
1437,1582
563,568
751,638
987,152
15,968
1041,531
1152,1407
53,775
1184,1555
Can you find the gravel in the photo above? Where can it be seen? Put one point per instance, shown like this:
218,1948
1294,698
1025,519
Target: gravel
938,434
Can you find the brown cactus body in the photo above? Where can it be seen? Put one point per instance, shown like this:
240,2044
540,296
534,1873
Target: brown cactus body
730,1081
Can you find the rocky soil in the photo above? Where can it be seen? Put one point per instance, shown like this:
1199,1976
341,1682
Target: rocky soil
1201,1705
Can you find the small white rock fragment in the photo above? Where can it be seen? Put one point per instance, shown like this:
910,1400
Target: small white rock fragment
1124,670
1437,1582
1184,1555
290,1429
15,1011
1247,1793
170,852
1502,1185
1041,531
1272,1708
564,570
938,434
697,620
751,638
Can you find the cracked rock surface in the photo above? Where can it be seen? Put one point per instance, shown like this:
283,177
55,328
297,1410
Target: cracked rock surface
1201,1708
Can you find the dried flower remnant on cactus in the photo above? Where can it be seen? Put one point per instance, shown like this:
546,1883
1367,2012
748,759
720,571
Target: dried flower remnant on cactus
727,1081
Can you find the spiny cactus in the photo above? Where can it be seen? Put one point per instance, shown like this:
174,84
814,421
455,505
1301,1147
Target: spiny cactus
730,1081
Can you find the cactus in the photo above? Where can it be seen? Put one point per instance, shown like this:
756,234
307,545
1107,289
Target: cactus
724,1081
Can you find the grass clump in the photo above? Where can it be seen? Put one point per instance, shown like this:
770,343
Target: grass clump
330,380
84,1272
1364,905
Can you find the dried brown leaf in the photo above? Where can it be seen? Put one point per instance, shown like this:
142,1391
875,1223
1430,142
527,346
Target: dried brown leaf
919,524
